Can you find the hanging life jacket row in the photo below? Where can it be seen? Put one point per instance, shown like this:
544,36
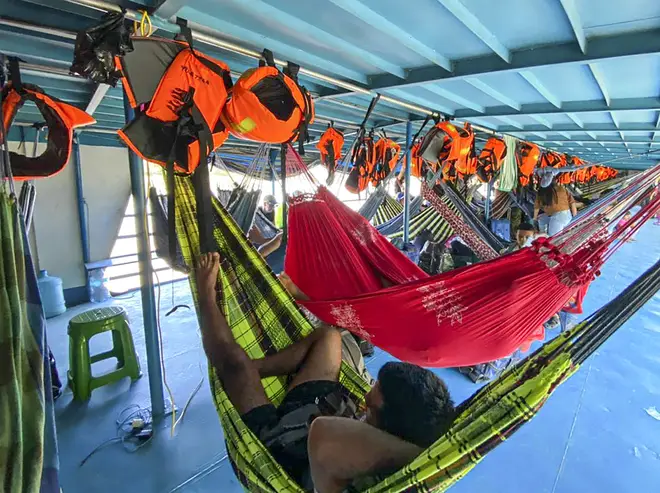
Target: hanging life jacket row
61,119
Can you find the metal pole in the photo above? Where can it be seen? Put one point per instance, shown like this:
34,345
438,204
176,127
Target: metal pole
285,209
489,191
272,158
406,190
82,214
151,334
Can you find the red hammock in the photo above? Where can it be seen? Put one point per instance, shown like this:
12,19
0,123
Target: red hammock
464,317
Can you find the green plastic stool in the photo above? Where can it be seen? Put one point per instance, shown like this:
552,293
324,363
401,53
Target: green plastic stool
82,328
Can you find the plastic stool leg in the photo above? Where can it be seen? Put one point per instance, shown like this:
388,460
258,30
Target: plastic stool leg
131,361
82,370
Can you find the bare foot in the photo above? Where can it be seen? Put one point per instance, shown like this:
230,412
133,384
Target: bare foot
207,274
291,287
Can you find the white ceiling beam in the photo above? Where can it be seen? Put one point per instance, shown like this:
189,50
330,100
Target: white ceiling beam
493,93
599,76
377,21
575,119
540,87
469,20
451,96
571,10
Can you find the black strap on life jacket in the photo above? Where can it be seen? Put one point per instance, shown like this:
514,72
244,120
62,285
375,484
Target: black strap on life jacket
191,123
361,129
302,132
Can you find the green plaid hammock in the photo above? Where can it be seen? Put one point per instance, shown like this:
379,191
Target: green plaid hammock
28,449
265,319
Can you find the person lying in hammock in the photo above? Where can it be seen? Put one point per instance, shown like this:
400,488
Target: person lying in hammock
407,409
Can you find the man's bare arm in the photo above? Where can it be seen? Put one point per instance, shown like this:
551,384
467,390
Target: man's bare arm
341,450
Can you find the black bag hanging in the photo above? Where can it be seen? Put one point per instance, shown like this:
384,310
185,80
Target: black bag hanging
96,49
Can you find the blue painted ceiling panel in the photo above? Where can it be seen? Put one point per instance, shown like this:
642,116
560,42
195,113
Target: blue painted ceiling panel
616,17
636,116
632,77
513,86
594,117
570,83
433,25
332,19
523,23
467,91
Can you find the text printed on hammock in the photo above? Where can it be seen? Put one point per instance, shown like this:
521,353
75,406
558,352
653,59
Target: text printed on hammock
446,303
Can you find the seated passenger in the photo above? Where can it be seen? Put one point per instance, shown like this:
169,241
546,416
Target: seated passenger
407,409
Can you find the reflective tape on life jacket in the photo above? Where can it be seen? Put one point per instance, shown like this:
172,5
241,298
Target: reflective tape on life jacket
61,119
490,159
176,92
386,155
268,105
527,157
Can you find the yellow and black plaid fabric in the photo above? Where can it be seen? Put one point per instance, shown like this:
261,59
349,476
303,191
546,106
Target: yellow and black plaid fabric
388,209
264,319
429,219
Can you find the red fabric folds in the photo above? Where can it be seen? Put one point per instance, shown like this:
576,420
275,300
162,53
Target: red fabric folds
333,252
464,317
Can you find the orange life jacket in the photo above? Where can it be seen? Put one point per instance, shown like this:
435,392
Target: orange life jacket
552,159
267,105
527,157
363,160
416,161
461,160
386,155
330,145
177,94
61,119
490,159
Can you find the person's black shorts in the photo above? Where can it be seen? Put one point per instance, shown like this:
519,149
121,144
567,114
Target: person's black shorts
263,419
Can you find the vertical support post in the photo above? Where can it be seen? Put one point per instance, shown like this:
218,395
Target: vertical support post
489,191
272,158
80,196
406,190
152,336
285,206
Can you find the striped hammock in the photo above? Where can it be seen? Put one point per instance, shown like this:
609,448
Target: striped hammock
264,319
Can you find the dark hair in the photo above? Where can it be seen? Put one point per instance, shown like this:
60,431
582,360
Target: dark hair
547,195
416,403
526,227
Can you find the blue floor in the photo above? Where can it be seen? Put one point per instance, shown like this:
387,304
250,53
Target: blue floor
594,434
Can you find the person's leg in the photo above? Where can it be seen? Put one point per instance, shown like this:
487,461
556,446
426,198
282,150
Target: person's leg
237,372
294,358
558,222
544,219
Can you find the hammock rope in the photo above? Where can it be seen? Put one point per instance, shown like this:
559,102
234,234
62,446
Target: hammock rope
264,319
